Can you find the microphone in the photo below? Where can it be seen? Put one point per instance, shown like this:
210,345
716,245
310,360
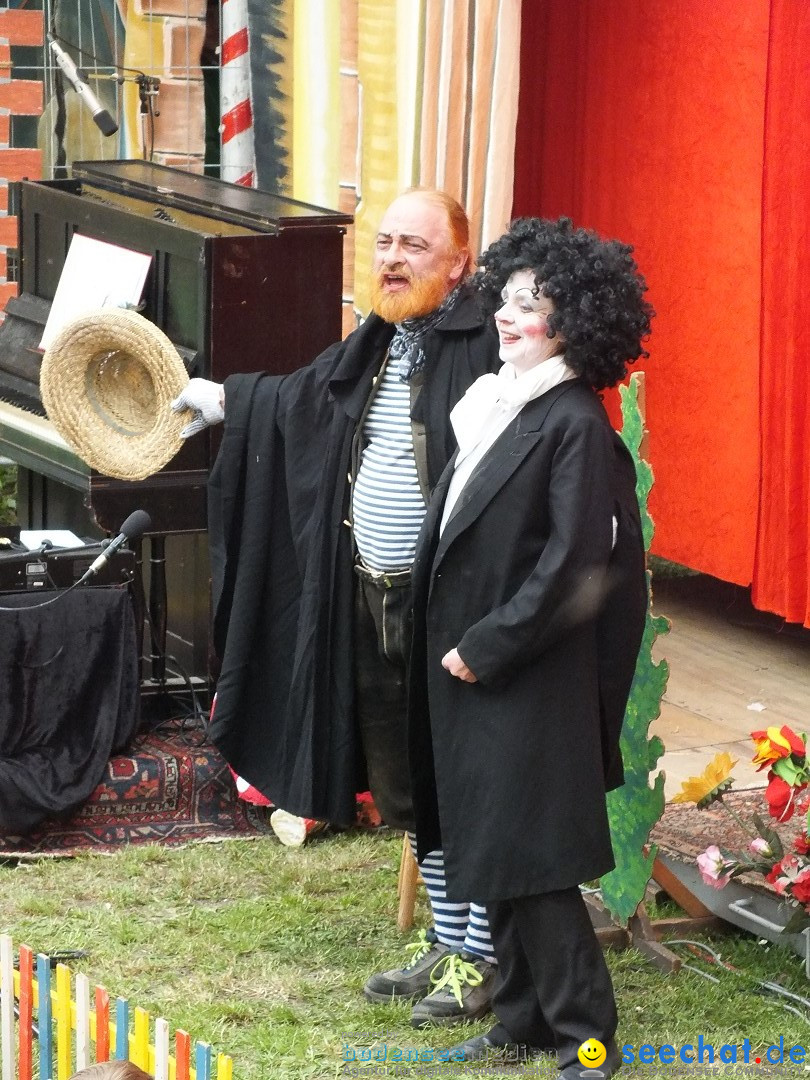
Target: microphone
78,80
132,530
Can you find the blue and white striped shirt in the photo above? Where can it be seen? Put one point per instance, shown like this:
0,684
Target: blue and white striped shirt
387,503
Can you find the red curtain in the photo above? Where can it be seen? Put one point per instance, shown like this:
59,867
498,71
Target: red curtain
649,122
782,566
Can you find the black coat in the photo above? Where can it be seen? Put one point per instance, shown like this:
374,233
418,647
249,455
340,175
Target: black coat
282,555
510,773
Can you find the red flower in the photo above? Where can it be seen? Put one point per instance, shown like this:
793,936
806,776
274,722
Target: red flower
773,875
800,887
784,873
802,843
791,879
780,796
775,743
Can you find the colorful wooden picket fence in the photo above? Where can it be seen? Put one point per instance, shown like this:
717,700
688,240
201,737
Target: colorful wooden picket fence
36,1003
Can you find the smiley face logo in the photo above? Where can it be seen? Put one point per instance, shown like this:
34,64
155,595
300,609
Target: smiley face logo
592,1054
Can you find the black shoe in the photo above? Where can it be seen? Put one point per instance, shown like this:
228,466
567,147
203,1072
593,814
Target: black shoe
609,1067
413,980
461,990
489,1048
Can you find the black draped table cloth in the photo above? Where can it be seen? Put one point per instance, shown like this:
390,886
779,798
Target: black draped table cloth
69,698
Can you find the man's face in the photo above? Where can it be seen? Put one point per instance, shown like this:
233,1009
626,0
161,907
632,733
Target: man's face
415,262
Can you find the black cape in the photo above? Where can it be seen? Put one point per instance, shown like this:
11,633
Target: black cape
282,555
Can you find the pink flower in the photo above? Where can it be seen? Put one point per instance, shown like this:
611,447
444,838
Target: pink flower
760,846
714,868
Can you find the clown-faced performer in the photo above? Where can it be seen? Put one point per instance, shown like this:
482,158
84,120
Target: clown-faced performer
530,599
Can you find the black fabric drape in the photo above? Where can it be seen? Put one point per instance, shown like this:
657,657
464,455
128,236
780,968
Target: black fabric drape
282,555
69,698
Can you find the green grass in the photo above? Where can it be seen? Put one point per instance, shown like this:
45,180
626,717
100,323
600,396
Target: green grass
263,951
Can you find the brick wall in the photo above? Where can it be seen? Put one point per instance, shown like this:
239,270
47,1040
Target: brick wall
18,97
180,127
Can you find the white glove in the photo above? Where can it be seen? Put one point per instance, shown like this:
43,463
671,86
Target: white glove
206,400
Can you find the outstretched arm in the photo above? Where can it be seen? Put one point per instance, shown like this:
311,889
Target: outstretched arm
205,400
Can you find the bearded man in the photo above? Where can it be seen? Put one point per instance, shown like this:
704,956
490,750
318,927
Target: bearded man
316,502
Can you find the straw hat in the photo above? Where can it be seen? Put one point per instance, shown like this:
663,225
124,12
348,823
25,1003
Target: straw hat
107,382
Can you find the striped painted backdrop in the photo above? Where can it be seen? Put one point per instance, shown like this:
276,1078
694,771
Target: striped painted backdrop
372,96
469,107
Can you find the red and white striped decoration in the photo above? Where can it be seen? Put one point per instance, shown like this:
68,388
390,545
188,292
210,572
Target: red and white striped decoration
238,153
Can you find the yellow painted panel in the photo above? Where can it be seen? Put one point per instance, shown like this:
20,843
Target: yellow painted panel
62,1006
141,1038
143,50
316,102
379,180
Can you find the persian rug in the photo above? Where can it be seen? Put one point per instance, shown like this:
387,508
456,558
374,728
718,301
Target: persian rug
169,787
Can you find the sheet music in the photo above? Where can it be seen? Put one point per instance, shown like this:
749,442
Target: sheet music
96,274
59,538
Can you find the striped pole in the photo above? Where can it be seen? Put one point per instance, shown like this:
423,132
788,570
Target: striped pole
238,153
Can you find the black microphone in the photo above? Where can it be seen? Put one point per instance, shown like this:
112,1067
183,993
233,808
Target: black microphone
132,530
78,80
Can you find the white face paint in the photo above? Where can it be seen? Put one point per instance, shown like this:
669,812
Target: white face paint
522,322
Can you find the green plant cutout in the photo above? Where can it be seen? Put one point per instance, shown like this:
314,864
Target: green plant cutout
634,808
8,494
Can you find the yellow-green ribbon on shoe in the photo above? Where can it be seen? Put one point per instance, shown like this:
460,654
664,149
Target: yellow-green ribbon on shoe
420,948
455,973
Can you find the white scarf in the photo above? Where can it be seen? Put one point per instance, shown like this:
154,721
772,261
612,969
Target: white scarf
493,401
487,409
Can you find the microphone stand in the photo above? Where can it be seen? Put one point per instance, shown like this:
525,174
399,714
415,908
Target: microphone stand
148,90
158,604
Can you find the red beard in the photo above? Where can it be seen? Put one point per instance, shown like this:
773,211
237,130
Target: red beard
423,295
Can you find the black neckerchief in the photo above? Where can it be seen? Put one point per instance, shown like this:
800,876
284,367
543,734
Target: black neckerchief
406,344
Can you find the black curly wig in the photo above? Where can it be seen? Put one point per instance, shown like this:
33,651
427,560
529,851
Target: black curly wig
599,308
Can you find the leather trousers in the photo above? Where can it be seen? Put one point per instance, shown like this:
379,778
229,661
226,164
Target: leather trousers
383,628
